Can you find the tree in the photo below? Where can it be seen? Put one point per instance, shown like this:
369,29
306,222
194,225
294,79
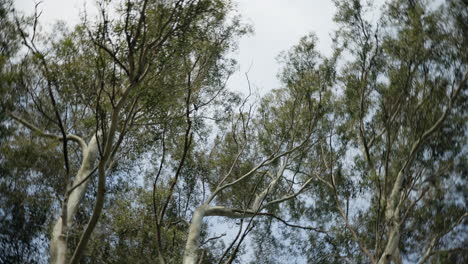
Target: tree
395,159
98,80
255,166
359,157
24,202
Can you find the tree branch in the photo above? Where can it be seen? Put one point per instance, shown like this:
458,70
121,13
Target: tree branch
44,134
434,241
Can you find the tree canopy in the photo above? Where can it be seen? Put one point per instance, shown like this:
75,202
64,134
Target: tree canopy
120,141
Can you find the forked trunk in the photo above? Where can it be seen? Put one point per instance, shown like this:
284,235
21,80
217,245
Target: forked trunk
392,251
58,243
392,216
193,240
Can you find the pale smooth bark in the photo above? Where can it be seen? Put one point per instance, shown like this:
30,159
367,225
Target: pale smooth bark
394,202
193,240
392,216
392,252
109,151
58,244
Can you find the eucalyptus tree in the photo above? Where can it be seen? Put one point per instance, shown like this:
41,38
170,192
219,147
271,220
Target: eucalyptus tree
395,158
92,85
22,212
369,144
254,169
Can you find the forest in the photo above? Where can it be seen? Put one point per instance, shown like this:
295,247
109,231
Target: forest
121,142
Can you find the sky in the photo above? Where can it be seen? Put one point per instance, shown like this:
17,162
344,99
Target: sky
277,24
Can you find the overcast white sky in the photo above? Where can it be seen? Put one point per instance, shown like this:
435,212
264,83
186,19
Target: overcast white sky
278,25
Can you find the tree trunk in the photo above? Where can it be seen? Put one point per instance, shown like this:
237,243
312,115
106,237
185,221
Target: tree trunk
58,243
193,240
392,252
392,216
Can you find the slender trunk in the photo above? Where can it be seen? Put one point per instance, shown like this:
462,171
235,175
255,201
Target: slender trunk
58,244
392,216
392,251
193,240
161,259
107,154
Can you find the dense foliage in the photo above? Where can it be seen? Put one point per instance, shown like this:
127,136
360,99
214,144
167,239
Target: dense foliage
120,143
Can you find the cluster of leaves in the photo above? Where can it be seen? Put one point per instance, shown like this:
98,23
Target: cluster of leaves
358,149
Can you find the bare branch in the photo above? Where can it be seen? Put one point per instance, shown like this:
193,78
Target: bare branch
44,134
212,238
291,196
265,162
429,251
